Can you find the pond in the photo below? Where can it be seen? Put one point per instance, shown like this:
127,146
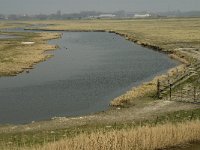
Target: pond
85,74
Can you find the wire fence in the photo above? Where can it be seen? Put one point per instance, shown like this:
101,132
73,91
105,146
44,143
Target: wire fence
172,88
189,94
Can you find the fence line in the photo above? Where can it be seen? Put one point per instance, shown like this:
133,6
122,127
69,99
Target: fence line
167,88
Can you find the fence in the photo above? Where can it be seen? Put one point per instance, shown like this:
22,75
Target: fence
172,89
190,94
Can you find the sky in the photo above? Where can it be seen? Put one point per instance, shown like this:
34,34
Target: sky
72,6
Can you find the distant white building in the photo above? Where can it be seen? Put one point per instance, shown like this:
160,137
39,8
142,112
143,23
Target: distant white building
107,16
103,16
142,15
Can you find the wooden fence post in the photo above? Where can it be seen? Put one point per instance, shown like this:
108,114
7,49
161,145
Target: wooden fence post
170,91
194,93
158,89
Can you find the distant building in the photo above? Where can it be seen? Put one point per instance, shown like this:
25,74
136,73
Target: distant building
103,16
107,16
142,15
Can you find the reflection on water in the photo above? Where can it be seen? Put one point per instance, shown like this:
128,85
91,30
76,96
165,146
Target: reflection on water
87,72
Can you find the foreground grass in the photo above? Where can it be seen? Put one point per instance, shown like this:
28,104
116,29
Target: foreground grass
20,139
147,137
138,138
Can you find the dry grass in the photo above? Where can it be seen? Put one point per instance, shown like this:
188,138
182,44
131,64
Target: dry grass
140,138
16,56
11,24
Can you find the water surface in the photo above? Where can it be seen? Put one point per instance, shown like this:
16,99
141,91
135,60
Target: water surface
85,74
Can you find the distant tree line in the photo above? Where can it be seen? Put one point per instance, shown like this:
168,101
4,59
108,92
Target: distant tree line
94,14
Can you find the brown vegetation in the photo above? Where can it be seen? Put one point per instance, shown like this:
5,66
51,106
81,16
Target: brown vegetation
140,138
16,56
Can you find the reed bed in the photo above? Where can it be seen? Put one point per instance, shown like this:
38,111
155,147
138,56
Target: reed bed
139,138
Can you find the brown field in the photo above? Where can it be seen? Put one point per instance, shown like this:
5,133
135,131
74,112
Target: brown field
177,37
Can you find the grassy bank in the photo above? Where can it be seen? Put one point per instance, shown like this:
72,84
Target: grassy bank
181,126
16,55
19,139
147,137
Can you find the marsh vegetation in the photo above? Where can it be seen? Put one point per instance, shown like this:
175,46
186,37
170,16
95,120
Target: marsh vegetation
178,37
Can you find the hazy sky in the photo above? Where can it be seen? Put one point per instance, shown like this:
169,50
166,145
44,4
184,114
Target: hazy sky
70,6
